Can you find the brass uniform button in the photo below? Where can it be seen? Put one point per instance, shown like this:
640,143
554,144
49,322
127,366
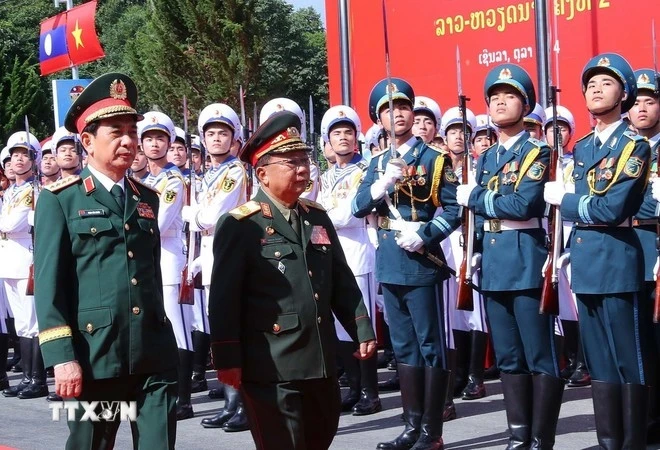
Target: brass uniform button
127,227
134,282
89,327
130,254
278,254
316,296
151,230
92,230
136,310
310,273
318,319
579,240
492,241
276,328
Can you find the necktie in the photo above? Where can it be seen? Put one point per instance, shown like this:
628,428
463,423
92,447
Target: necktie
295,221
597,143
500,151
118,194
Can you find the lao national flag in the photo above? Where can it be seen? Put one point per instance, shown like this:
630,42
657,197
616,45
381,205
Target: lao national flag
53,55
81,39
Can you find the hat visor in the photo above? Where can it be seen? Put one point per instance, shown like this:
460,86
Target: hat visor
385,99
513,83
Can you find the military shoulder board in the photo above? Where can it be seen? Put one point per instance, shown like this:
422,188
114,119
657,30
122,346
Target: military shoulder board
174,174
313,204
591,133
146,186
245,210
536,142
436,148
362,165
63,183
237,163
634,136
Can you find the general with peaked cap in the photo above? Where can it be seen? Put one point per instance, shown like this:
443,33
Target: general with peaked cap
406,190
98,278
279,274
610,174
507,196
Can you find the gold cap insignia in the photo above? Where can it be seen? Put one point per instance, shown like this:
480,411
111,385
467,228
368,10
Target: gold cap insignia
118,90
604,62
292,131
341,114
279,107
644,79
505,74
391,88
216,113
422,103
154,119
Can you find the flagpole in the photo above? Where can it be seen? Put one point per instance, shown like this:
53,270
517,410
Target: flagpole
345,60
541,25
69,5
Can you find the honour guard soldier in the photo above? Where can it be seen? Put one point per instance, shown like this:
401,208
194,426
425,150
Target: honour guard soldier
50,172
645,117
406,191
156,133
98,279
279,274
68,152
610,173
340,127
484,134
566,123
16,246
427,118
534,122
508,197
223,189
285,104
177,153
140,166
452,129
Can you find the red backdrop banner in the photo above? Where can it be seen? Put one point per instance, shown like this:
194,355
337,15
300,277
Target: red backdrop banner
424,34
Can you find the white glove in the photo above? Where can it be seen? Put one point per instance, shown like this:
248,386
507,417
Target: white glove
30,218
655,189
463,193
188,213
554,192
476,261
570,188
545,266
393,172
564,260
196,266
655,269
409,241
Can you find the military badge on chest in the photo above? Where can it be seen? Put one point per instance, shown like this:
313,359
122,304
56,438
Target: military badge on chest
319,235
169,196
605,170
510,173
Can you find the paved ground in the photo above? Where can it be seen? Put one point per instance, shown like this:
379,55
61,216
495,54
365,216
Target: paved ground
27,424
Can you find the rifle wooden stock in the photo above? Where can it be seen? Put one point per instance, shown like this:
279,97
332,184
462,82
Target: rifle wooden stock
464,296
187,291
549,292
187,286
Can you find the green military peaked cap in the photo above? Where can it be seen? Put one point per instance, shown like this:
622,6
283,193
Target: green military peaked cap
109,95
278,134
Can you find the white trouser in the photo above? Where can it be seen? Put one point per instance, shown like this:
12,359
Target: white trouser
200,319
180,316
367,285
4,309
474,320
567,301
22,307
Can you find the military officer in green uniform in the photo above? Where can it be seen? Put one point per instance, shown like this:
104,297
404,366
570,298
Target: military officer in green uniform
98,281
279,274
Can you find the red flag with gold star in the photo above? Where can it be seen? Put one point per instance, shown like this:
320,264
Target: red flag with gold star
81,39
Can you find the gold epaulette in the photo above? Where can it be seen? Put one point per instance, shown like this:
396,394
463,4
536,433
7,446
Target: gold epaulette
585,136
630,134
245,210
313,204
140,183
437,149
63,183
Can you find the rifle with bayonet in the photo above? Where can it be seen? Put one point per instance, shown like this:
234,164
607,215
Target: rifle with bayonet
187,292
29,290
245,136
464,296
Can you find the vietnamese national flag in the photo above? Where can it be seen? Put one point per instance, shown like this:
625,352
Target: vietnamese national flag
81,39
53,55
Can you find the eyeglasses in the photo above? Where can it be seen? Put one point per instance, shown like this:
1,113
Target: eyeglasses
292,164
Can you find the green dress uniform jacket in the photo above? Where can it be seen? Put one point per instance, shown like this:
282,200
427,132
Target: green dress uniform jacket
98,287
273,294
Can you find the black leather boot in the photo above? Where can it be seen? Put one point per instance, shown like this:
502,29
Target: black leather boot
391,384
352,373
4,351
518,395
184,409
239,421
449,411
571,336
475,388
13,342
38,386
581,376
460,366
26,364
608,414
369,402
201,344
231,405
548,392
412,401
635,403
436,384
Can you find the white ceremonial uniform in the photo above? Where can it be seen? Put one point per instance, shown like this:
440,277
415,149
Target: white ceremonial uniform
16,254
312,190
567,300
223,189
338,188
171,187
